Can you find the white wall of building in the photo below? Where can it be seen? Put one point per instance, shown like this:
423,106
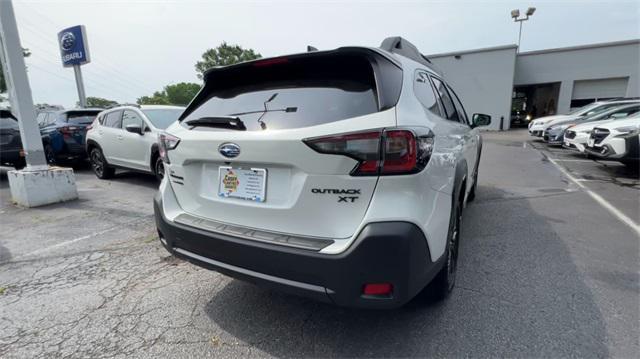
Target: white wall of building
612,63
483,79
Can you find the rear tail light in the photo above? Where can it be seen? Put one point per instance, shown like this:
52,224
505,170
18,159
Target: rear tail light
380,152
67,130
93,124
378,289
270,62
166,142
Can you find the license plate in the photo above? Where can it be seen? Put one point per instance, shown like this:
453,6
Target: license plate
249,184
566,143
590,142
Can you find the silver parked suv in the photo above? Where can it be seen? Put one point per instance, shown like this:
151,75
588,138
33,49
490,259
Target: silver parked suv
340,175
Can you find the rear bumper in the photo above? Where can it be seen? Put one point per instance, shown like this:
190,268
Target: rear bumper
387,252
11,157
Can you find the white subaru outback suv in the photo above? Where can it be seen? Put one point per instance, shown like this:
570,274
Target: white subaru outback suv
127,137
340,175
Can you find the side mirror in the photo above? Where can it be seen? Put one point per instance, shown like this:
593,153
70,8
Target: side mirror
134,129
480,119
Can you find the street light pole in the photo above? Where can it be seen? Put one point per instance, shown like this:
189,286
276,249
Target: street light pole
520,35
515,14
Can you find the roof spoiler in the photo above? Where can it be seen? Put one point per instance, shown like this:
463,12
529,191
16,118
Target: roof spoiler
401,46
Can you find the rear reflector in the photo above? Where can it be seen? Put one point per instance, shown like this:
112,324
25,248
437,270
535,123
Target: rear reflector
388,152
381,289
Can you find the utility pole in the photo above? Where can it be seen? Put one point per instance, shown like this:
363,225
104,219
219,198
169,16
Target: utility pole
37,184
18,87
515,14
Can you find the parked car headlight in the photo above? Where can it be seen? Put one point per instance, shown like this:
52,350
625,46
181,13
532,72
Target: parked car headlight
569,125
628,130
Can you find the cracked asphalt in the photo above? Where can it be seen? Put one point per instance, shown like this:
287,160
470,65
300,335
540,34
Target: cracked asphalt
545,271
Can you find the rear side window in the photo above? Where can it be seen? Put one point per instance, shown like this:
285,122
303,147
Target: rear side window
447,103
8,123
113,119
287,93
424,92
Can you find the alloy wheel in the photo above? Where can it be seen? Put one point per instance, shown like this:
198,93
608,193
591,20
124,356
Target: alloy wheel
97,163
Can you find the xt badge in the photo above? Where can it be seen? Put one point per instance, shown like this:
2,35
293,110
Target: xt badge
346,199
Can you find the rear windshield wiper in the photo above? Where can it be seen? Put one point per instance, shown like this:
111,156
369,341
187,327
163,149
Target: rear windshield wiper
228,122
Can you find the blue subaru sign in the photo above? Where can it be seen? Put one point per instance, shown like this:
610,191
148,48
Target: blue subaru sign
74,48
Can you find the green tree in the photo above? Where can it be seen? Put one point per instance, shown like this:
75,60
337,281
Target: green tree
224,55
100,102
177,94
181,93
158,98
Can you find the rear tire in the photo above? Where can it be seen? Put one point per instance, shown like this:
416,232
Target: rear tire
445,280
49,154
99,165
472,193
158,168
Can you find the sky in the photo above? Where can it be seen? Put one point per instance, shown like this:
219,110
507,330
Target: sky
138,47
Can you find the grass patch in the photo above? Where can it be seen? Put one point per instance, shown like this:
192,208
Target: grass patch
151,238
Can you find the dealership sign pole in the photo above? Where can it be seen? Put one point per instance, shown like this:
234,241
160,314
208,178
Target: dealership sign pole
74,52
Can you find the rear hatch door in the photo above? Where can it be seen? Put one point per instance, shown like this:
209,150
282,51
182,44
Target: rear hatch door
264,176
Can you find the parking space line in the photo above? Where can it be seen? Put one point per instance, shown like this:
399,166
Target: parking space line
603,202
62,244
74,240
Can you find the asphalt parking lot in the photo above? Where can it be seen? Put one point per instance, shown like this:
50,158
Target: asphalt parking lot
546,270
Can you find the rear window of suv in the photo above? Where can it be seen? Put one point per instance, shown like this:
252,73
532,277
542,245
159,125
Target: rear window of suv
81,117
302,92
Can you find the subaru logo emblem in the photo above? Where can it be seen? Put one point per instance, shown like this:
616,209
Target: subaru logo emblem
229,150
67,40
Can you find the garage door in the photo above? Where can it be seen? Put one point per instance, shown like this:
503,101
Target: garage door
602,88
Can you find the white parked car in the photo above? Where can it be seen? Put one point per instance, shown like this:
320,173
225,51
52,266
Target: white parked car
538,126
576,135
617,140
340,175
126,137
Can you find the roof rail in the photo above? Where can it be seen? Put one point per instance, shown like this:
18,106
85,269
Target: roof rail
122,104
401,46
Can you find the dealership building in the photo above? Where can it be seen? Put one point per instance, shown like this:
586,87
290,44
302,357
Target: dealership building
500,81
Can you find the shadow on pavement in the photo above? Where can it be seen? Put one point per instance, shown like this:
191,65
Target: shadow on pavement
518,295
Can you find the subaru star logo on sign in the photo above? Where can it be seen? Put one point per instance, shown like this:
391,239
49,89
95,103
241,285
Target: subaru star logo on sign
229,150
74,48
